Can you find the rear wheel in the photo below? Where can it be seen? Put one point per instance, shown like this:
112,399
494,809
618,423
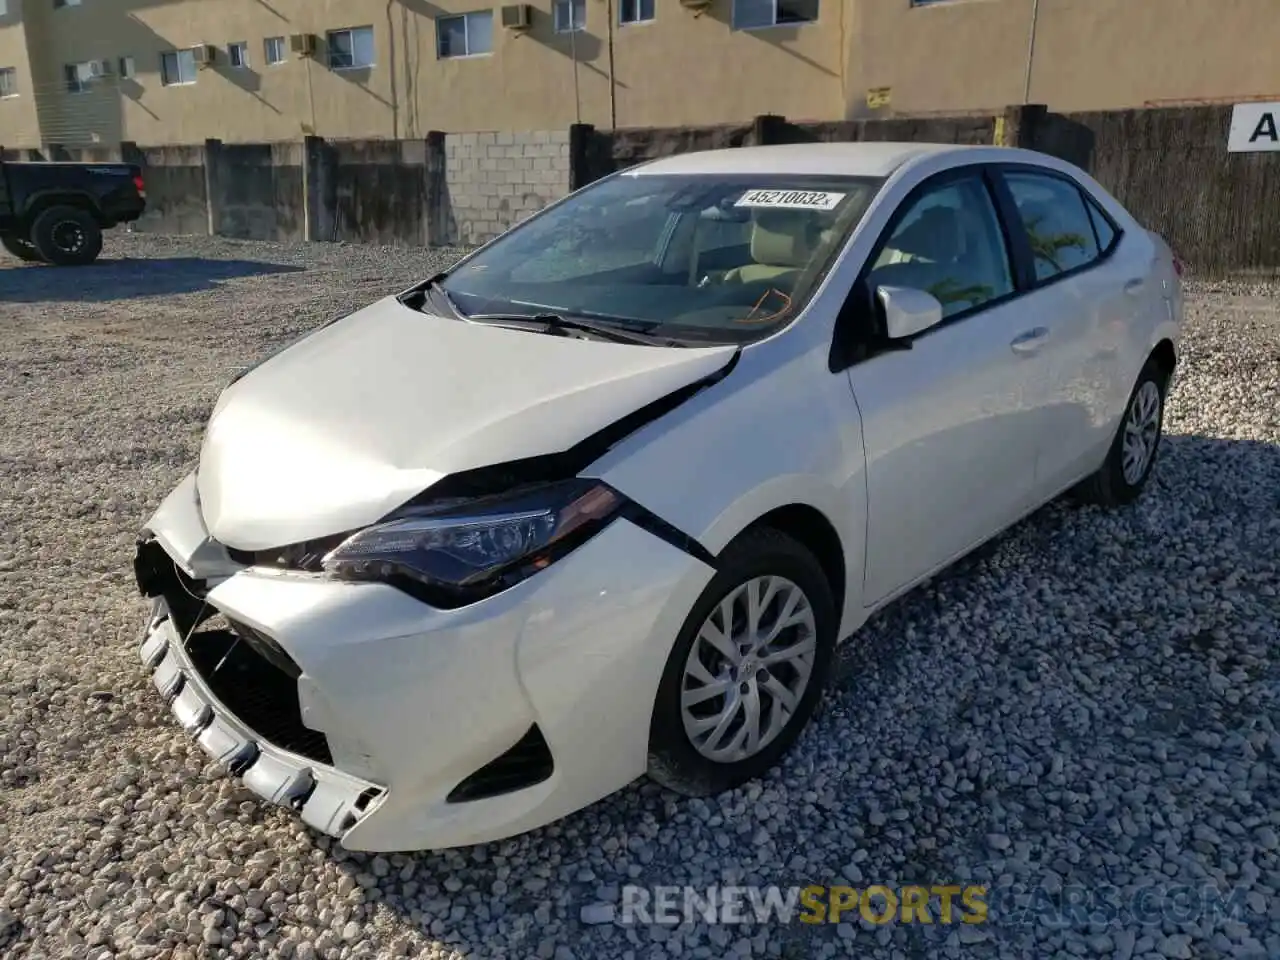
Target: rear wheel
1124,473
67,236
747,668
21,248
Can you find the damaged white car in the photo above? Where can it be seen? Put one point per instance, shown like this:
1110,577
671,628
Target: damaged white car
601,501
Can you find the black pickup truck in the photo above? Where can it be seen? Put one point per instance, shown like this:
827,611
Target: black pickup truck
56,212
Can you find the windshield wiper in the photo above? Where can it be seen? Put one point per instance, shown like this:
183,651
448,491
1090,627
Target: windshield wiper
555,321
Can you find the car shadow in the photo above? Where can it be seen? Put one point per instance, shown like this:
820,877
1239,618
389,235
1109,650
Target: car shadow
1237,480
123,278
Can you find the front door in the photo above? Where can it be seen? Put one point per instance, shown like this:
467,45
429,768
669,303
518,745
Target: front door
949,425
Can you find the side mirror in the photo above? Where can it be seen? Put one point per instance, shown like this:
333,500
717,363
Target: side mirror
908,311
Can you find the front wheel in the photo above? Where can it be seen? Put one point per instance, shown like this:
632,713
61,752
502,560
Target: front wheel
67,236
21,248
1124,473
747,668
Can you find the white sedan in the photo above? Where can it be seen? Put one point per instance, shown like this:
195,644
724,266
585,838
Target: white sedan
602,500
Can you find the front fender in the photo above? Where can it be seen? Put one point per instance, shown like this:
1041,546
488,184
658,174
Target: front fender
777,432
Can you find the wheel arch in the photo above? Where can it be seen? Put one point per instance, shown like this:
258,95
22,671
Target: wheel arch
44,201
809,527
1166,356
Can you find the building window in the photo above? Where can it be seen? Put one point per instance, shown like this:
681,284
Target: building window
753,14
467,35
238,54
77,76
126,68
8,80
177,67
571,15
635,11
350,49
273,50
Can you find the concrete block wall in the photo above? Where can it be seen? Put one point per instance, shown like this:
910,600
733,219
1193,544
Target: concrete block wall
494,180
177,197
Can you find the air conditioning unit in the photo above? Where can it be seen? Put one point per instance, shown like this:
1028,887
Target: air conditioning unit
206,54
517,16
695,4
99,69
303,44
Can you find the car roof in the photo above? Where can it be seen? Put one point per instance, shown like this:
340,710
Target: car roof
864,159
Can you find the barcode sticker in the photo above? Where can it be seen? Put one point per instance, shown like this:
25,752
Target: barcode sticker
791,199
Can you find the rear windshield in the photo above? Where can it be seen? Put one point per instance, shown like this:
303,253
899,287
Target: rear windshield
708,257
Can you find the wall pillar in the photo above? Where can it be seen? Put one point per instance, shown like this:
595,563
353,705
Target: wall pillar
319,201
437,194
581,156
130,153
1019,125
769,128
213,185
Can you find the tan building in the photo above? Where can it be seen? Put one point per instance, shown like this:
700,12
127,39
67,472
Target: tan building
180,71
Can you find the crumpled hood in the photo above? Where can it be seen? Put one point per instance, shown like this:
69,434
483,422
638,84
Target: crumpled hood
356,419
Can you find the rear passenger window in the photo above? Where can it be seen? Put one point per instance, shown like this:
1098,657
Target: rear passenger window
1058,224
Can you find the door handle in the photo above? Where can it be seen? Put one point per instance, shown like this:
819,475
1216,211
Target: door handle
1029,342
1135,285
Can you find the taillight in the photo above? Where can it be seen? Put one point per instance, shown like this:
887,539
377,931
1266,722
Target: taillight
1178,268
140,186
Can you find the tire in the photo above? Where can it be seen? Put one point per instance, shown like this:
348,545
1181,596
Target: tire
67,236
675,761
1114,485
21,248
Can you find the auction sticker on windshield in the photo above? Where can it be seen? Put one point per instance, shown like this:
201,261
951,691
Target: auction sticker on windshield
791,199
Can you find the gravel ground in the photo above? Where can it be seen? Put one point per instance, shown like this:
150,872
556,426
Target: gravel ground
1091,700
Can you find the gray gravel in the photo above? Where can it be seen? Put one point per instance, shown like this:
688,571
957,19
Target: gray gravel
1091,700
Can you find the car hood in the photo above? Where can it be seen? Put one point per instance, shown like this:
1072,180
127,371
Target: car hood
359,417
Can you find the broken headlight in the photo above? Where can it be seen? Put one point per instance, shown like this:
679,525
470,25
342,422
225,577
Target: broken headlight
463,552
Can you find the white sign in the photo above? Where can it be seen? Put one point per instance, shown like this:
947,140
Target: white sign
1254,127
791,199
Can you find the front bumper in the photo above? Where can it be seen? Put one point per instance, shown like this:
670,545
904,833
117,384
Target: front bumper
327,799
411,702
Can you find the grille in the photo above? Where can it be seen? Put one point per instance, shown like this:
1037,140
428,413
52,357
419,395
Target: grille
529,762
259,692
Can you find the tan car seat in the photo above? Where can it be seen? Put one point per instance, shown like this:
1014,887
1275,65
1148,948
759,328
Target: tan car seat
782,244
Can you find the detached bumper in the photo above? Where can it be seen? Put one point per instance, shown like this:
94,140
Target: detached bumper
397,726
327,799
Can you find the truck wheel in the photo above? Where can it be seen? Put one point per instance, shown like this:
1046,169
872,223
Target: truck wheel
67,236
21,248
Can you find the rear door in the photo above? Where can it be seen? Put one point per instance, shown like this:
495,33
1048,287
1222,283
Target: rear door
1090,281
950,424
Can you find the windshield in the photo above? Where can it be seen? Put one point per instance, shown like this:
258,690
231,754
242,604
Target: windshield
708,257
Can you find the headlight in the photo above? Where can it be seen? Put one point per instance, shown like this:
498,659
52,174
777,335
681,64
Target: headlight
463,552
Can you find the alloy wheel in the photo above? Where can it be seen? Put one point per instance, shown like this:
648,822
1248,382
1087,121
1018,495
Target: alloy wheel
1141,432
748,669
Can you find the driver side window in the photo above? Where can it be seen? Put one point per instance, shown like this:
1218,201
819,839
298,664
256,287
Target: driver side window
948,244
